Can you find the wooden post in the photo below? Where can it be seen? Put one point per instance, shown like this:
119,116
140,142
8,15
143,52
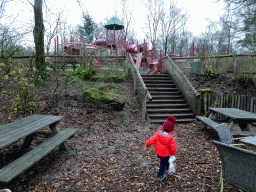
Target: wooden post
205,102
251,105
27,142
144,102
126,63
134,81
54,130
234,64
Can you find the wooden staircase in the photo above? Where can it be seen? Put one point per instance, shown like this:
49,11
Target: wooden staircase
167,100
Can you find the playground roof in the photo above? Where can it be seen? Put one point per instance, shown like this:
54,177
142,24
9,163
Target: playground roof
114,22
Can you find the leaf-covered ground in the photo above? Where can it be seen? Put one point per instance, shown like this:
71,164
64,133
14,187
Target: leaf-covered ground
225,84
108,152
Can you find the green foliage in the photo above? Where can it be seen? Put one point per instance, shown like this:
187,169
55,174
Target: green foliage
76,147
207,90
7,66
86,29
245,80
103,99
84,72
115,76
8,48
249,39
23,89
100,95
208,67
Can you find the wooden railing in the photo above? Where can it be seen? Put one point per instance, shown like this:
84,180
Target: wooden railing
138,85
187,89
235,63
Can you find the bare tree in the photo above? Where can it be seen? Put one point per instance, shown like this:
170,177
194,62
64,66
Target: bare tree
228,32
2,6
9,45
53,23
126,19
99,31
154,13
172,20
247,16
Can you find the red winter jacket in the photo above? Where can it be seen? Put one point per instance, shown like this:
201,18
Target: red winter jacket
164,144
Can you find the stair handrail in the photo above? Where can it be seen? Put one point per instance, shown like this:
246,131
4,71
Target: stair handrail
183,76
140,78
144,94
193,98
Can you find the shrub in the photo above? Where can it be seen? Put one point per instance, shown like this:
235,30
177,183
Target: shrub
208,67
245,80
23,89
85,71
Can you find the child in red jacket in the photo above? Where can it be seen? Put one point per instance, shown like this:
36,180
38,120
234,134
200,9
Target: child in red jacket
165,145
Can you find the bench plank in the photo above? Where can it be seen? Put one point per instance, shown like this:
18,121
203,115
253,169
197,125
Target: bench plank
16,130
20,165
207,121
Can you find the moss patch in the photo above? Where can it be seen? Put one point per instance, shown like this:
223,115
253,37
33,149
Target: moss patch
207,90
103,99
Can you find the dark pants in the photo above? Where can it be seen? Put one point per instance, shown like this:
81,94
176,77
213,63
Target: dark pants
164,164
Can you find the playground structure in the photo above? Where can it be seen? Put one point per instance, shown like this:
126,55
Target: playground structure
114,45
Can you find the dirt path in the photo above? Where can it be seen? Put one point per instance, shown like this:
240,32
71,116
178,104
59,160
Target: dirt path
108,152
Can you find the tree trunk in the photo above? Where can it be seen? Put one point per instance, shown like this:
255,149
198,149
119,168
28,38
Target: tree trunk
41,73
166,46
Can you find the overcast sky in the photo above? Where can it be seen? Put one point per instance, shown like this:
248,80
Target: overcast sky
199,11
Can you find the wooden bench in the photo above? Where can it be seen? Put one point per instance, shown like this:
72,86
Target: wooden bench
222,129
28,128
207,121
23,163
238,166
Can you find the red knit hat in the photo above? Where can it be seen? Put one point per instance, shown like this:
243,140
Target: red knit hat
169,124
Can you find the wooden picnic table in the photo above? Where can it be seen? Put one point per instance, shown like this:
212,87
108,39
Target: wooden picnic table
17,130
28,128
237,117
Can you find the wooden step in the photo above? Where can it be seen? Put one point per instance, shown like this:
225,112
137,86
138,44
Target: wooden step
167,101
157,78
158,82
165,115
169,110
161,94
161,106
148,85
163,89
177,121
156,75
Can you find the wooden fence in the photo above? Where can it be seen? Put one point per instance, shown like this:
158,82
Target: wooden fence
240,63
69,61
243,102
